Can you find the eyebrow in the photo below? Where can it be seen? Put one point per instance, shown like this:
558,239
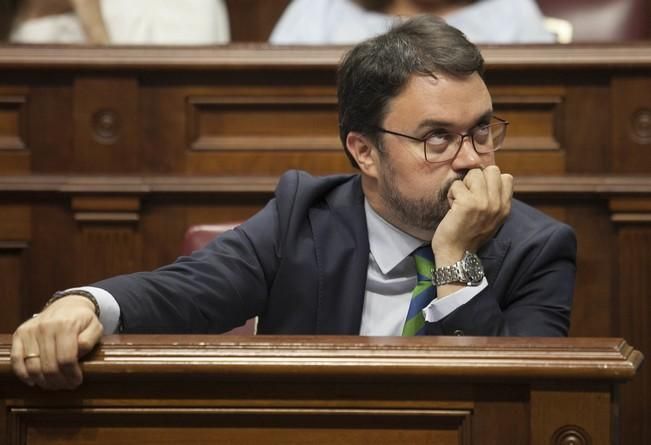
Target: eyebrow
431,123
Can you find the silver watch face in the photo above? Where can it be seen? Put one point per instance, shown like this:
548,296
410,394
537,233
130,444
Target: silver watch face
473,269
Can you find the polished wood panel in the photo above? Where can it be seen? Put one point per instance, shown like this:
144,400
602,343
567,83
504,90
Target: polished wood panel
13,284
354,390
634,279
110,155
106,121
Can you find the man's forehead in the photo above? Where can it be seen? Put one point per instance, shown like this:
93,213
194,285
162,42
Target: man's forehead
442,82
445,97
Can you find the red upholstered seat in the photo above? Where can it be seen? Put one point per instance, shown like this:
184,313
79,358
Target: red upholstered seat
198,236
601,20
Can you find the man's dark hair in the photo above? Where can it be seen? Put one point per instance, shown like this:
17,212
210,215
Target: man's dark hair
377,70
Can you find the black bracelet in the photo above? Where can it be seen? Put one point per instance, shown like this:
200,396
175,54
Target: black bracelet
82,293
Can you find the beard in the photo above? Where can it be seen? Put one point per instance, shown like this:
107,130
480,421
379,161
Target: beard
424,213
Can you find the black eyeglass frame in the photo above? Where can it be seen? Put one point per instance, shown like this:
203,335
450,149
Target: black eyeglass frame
463,136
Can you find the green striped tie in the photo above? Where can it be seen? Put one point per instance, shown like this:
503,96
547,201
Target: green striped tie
422,294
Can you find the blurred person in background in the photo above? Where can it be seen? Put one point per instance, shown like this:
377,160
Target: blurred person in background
101,22
322,22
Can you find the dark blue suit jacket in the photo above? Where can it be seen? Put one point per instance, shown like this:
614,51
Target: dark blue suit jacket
300,264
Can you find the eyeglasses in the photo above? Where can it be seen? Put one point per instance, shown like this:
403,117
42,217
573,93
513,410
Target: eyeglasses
444,146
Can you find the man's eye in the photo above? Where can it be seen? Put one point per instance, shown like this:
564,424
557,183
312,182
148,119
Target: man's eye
439,139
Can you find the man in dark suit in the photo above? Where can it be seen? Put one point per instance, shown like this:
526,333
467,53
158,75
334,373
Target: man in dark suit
425,240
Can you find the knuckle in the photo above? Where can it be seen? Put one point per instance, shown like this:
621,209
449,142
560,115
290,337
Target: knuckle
456,184
50,370
492,169
86,344
50,325
474,173
43,326
495,207
483,205
67,358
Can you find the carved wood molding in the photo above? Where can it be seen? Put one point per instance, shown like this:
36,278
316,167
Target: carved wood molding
566,185
14,121
13,246
630,210
256,56
483,358
103,208
251,133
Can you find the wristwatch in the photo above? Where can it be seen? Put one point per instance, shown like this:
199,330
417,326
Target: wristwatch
468,271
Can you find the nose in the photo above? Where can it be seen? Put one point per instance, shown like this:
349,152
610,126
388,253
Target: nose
467,158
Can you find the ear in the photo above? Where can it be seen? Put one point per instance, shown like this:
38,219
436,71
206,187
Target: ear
364,152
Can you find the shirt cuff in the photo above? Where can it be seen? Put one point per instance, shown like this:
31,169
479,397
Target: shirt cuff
441,308
109,310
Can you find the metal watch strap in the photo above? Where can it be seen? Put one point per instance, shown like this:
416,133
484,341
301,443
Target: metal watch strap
447,274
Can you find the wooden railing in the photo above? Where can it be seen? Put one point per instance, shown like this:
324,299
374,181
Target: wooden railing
353,390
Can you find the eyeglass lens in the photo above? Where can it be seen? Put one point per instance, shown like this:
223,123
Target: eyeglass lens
485,139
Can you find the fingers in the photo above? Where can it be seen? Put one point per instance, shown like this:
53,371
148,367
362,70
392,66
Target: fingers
500,191
46,349
492,189
459,192
42,366
69,348
476,181
18,360
52,378
66,355
507,191
89,337
478,206
32,357
493,178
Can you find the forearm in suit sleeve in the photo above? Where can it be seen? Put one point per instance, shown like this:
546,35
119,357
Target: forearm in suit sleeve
531,296
214,290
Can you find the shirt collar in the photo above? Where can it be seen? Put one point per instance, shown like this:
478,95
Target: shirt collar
388,244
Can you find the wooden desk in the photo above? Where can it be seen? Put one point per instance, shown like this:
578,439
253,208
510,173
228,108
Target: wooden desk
352,390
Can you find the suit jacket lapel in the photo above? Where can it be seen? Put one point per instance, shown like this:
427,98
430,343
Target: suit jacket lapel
341,244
